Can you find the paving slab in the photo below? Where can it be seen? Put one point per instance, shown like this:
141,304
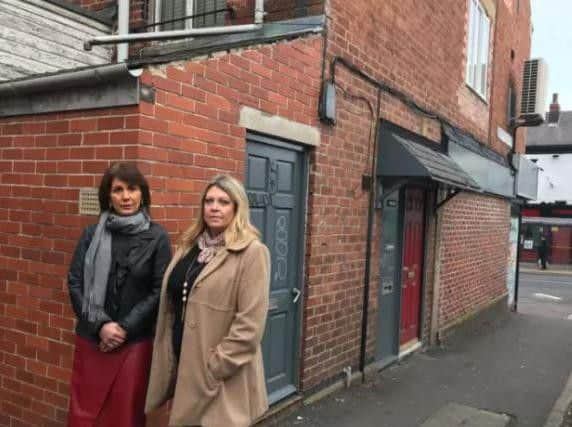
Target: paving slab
456,415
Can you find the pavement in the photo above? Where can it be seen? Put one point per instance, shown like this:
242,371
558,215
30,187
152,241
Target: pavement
508,370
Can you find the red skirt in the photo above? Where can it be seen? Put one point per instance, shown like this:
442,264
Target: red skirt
109,389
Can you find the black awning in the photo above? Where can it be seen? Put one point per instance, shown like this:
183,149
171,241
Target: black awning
407,155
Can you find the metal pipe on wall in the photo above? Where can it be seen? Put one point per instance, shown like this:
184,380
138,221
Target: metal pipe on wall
368,243
175,34
123,29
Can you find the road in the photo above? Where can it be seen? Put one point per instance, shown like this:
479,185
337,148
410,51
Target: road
545,294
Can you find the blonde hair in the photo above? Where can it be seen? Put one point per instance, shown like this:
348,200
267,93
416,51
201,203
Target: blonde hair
240,228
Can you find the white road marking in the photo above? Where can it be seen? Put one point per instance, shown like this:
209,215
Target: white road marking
569,317
546,296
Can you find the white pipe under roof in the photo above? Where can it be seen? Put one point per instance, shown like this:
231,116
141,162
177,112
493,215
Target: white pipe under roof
123,29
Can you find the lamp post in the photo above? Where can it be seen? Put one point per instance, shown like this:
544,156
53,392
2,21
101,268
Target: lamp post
522,121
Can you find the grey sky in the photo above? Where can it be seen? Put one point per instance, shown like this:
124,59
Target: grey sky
552,40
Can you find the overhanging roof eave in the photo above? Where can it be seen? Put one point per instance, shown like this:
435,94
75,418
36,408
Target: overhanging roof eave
405,158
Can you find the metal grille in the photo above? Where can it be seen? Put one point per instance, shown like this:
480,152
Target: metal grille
88,201
175,9
529,87
206,6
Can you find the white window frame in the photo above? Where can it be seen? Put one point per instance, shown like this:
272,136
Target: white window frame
478,40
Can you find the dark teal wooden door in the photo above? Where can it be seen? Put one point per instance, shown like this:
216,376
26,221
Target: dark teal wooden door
275,182
389,295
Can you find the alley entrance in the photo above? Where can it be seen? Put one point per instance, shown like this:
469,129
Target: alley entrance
275,183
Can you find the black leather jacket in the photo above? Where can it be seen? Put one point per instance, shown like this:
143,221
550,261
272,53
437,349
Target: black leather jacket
135,304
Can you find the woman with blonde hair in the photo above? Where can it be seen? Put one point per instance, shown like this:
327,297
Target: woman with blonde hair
207,358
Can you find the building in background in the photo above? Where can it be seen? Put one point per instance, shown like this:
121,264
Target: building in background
41,37
550,214
374,143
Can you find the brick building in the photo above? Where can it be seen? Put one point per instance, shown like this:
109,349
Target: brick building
372,138
550,215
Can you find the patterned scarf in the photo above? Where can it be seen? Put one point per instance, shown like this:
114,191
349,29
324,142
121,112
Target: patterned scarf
97,262
209,246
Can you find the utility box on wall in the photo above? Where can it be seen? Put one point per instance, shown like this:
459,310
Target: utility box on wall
526,178
533,99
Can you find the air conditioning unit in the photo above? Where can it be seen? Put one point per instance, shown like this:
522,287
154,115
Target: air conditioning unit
534,82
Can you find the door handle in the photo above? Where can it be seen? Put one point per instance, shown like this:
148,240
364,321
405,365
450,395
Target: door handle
296,292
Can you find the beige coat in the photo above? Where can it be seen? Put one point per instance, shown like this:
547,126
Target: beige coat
220,378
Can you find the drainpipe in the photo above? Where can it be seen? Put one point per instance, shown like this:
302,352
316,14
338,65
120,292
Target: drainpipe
518,255
513,153
181,34
516,123
123,29
370,217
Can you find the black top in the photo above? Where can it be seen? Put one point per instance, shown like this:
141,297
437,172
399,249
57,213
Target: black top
542,247
134,282
120,249
186,270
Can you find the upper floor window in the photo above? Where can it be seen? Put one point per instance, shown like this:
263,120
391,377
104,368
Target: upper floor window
478,48
204,12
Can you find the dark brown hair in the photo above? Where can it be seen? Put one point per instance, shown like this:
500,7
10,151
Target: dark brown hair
127,172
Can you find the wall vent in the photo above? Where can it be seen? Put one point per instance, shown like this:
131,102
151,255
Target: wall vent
534,79
88,201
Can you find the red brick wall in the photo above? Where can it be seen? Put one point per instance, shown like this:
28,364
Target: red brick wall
336,244
196,110
44,161
418,48
275,10
474,253
516,15
189,134
364,32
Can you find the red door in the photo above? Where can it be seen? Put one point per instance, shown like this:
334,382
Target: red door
411,277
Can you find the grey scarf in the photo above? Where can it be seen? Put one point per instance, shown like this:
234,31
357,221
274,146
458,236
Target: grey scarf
97,261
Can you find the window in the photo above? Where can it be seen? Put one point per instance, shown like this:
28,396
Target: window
478,48
174,9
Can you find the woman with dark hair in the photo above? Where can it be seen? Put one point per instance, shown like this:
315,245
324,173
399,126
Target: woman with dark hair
114,284
207,358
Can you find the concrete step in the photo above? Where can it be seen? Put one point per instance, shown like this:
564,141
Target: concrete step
456,415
